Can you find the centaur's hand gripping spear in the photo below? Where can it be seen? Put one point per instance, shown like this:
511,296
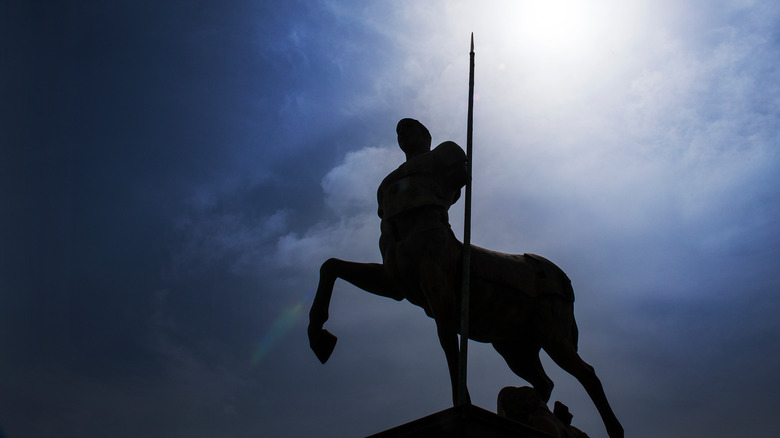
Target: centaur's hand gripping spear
463,398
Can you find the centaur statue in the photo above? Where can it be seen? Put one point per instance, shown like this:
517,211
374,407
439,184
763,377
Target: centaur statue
518,303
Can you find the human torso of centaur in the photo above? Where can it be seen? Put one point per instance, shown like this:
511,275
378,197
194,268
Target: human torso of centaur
422,256
417,244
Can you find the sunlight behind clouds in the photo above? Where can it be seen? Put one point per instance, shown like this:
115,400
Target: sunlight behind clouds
561,50
565,28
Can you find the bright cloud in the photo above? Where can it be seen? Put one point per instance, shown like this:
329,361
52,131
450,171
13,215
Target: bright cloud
352,232
351,186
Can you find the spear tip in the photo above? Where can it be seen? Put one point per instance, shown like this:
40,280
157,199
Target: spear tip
472,41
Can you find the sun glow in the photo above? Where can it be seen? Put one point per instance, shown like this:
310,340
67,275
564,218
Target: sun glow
563,27
557,49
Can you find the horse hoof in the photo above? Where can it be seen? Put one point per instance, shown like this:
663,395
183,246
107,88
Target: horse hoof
615,431
322,343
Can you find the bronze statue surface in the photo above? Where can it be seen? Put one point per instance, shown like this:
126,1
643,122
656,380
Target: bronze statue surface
518,303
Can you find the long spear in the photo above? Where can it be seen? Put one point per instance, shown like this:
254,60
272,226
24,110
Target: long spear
462,398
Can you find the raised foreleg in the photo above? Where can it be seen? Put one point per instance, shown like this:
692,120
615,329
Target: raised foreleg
370,277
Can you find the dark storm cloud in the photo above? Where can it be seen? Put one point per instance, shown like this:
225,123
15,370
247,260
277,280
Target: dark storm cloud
152,155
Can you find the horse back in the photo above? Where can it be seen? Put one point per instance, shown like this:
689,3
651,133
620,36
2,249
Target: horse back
532,275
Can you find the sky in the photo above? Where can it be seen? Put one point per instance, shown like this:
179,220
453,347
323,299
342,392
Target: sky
172,175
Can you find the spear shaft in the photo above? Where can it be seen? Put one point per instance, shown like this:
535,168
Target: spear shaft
462,396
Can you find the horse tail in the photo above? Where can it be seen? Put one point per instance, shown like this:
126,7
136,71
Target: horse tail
575,334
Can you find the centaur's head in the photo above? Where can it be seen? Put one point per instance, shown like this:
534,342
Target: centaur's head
413,137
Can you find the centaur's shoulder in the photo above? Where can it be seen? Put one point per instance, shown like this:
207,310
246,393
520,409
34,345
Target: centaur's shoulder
448,153
395,175
436,160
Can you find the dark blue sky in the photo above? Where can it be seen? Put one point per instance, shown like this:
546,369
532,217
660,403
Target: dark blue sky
173,173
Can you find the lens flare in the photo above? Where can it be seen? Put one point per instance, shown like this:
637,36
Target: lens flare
280,327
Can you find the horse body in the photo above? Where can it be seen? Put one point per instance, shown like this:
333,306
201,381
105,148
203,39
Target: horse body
518,303
511,293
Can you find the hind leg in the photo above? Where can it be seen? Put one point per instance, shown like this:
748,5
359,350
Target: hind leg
523,360
565,355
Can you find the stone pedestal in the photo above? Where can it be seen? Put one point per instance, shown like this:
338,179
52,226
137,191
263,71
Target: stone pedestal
525,406
463,422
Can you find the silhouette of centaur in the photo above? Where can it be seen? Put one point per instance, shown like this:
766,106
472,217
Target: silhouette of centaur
518,303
